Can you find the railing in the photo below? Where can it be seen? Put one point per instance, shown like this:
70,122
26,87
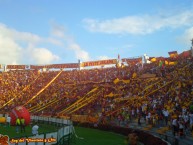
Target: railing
60,137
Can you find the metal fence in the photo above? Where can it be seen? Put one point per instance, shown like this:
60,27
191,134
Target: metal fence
60,137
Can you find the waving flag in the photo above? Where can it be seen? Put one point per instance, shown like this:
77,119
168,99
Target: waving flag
173,54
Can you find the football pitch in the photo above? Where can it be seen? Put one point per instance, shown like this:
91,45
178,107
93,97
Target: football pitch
84,136
11,131
97,137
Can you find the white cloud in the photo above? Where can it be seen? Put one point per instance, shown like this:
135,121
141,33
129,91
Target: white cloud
19,36
59,31
14,47
140,24
10,52
104,57
43,55
80,54
187,36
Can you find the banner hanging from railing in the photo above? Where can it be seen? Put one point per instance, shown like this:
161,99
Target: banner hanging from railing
132,61
55,66
99,62
15,67
67,65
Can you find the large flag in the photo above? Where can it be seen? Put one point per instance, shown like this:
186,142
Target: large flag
173,54
134,75
116,81
153,59
166,62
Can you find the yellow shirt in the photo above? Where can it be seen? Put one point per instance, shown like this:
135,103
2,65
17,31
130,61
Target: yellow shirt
17,121
22,121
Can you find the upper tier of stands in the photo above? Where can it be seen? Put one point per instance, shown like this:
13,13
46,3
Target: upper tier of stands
103,94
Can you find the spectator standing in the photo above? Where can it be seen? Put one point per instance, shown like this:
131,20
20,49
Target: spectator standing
17,125
8,120
181,127
175,126
191,121
35,130
22,122
166,115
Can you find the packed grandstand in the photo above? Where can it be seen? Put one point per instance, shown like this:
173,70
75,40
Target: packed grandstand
157,92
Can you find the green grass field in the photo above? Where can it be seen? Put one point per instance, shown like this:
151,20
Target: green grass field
11,131
97,137
91,136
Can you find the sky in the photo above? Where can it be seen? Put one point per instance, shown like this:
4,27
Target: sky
64,31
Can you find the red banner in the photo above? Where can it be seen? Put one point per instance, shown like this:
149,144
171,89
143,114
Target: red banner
36,67
56,66
15,67
68,65
100,62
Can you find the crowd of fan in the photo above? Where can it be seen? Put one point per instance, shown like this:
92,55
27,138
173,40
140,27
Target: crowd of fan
166,99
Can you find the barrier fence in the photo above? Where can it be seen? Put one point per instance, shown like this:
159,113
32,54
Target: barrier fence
60,137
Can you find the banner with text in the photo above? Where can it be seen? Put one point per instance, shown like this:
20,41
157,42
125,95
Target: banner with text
15,67
99,62
56,66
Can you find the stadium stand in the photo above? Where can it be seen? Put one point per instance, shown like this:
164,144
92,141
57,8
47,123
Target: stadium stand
150,95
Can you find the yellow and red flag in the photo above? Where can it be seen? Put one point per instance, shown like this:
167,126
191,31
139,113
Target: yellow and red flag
173,54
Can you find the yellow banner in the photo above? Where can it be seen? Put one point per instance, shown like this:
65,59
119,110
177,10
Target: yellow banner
134,75
153,59
126,81
173,63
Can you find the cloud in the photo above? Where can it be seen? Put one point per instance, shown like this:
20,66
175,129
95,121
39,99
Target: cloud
10,52
19,36
140,24
59,31
187,36
80,54
43,55
54,41
15,46
104,57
